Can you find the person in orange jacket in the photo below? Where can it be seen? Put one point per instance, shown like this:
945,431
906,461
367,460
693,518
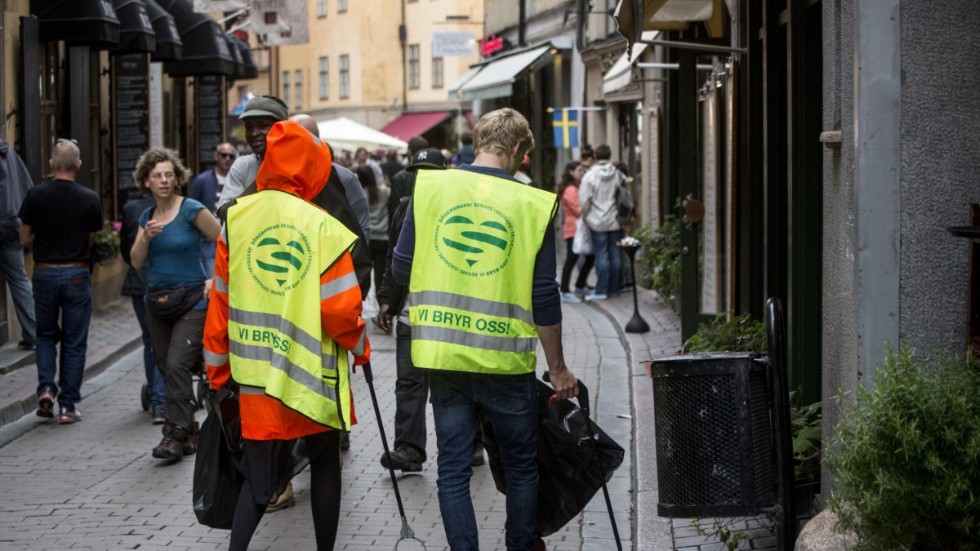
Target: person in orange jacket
261,335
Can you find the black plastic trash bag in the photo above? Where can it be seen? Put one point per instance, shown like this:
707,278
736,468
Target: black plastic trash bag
568,465
218,476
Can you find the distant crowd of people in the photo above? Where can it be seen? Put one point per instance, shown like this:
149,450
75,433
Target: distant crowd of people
221,279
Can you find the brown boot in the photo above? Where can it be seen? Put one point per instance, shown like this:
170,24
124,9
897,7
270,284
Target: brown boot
190,444
171,447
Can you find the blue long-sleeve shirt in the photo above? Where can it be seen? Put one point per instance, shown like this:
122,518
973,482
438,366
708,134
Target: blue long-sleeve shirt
545,298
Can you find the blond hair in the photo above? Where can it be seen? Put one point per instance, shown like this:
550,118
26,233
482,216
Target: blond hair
497,132
150,158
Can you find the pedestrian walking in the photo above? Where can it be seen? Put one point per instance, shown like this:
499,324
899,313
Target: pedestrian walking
377,194
134,286
168,243
411,385
568,191
403,182
60,219
277,255
477,251
260,113
15,182
207,187
599,206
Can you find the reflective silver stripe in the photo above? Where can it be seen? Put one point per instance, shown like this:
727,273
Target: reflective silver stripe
224,233
215,359
470,304
220,285
282,363
358,349
272,321
486,342
338,286
245,389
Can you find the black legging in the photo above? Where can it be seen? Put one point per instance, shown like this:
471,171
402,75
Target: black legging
566,271
325,491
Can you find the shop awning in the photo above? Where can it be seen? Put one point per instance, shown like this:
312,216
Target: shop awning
205,51
82,22
410,125
455,87
247,68
344,134
168,44
620,74
660,15
136,32
497,78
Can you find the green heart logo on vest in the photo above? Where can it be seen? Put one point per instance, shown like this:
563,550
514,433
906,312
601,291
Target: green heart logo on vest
474,239
279,258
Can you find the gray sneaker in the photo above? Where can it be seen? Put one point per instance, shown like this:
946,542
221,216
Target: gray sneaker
404,458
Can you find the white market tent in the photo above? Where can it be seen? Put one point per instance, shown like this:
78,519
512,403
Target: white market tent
342,133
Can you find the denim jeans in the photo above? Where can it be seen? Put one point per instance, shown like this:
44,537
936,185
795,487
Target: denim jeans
68,292
509,403
411,393
608,261
12,266
154,380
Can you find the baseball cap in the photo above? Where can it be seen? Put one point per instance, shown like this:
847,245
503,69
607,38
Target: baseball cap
428,158
265,106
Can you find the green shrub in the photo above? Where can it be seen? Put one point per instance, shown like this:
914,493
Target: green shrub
906,458
659,258
738,334
106,245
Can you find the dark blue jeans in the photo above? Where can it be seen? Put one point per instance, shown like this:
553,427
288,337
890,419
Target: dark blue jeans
154,380
509,403
608,261
66,292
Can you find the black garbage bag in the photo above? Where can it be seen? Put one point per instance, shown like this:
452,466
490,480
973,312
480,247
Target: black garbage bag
218,474
568,464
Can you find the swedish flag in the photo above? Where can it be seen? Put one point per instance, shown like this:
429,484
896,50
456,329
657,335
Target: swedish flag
564,121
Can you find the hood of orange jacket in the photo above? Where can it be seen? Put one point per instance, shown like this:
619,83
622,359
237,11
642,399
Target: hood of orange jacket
295,161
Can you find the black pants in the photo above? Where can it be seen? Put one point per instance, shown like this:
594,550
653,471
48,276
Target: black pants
265,467
178,352
411,393
379,250
570,260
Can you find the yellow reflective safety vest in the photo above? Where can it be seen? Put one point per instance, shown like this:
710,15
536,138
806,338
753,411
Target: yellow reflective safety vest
278,247
476,239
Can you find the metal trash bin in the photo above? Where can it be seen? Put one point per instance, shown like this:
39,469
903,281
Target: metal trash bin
715,450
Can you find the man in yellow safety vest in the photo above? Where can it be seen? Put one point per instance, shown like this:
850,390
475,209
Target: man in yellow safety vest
477,252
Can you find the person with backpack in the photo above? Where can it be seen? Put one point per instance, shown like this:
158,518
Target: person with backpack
603,195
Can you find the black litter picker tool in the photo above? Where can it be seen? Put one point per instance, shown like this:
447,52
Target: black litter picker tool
407,533
575,458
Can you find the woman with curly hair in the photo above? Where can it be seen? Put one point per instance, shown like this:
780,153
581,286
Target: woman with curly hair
169,244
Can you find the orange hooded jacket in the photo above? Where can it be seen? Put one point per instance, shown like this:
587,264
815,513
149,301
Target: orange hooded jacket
298,164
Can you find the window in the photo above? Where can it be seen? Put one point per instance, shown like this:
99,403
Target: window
344,76
324,78
437,72
321,8
341,6
285,86
413,66
298,84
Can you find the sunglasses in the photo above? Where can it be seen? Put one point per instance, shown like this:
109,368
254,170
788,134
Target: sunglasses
227,155
60,140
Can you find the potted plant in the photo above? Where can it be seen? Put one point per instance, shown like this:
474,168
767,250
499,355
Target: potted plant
106,246
905,456
659,258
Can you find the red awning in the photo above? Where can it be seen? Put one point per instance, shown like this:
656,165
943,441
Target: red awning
410,125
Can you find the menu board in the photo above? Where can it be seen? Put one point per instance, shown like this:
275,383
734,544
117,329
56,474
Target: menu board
210,118
131,113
